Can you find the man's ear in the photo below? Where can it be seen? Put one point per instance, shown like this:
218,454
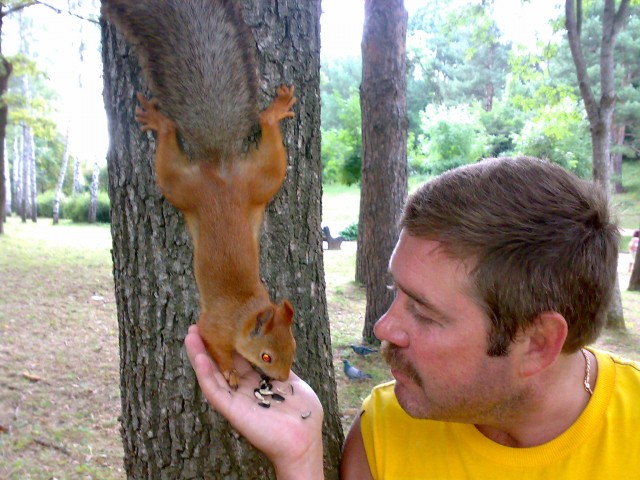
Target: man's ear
542,342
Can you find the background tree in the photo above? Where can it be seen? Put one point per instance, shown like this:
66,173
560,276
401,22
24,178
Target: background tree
168,430
384,150
599,113
634,281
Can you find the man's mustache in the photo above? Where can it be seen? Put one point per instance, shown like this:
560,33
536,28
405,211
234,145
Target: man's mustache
396,361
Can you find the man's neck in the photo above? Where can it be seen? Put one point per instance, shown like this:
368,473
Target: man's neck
554,405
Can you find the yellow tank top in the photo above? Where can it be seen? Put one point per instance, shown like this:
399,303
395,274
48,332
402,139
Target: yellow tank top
604,443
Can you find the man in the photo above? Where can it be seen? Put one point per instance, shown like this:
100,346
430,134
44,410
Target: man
503,273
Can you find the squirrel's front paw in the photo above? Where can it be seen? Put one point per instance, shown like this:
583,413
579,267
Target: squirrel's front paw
148,115
281,106
232,378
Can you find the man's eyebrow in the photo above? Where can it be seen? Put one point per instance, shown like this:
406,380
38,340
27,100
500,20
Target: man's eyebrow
424,302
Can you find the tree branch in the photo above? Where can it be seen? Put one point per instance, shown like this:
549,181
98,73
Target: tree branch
51,7
17,8
573,35
621,16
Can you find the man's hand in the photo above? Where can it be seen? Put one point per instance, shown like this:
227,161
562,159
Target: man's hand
289,433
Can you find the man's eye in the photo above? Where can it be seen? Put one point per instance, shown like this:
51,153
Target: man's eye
418,315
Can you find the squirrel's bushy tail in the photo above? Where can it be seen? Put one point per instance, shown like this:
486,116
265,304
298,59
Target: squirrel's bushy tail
198,57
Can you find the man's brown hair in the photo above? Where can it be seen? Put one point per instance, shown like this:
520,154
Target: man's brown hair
537,237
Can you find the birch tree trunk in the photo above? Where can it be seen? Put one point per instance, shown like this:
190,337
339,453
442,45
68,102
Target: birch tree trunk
33,186
599,113
8,197
384,151
17,174
61,176
95,184
77,184
26,171
169,432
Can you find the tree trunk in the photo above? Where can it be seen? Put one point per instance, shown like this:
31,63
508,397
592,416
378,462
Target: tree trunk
617,139
77,184
5,72
168,430
634,281
61,176
93,205
26,170
17,174
384,150
33,186
599,113
8,199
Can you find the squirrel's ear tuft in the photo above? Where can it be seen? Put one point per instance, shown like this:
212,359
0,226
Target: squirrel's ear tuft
285,313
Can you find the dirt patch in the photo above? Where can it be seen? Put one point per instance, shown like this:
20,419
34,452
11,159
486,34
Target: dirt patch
59,385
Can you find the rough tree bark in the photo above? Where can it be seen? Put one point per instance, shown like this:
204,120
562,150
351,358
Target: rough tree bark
383,104
168,430
599,113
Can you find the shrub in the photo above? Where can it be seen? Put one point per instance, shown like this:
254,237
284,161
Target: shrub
77,208
45,204
350,233
454,136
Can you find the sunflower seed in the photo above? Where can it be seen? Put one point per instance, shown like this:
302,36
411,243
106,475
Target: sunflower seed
305,415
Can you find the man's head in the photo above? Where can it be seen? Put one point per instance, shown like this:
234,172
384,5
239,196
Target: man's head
537,238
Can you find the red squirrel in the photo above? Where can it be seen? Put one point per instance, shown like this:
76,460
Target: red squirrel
204,81
223,211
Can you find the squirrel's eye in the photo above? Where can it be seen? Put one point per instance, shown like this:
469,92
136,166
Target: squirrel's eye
266,358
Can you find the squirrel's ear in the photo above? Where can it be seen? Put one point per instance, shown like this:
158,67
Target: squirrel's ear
285,313
261,324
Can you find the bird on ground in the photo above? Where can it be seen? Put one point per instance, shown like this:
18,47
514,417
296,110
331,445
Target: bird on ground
362,350
353,373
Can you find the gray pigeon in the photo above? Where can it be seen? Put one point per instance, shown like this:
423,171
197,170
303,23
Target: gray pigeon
362,350
353,373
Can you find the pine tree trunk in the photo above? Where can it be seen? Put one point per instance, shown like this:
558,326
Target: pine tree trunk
384,151
288,37
168,430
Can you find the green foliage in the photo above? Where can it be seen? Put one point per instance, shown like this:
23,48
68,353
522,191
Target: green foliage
501,123
350,232
77,208
341,122
559,133
453,136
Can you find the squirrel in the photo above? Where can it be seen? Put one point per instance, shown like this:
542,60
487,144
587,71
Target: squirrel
197,58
